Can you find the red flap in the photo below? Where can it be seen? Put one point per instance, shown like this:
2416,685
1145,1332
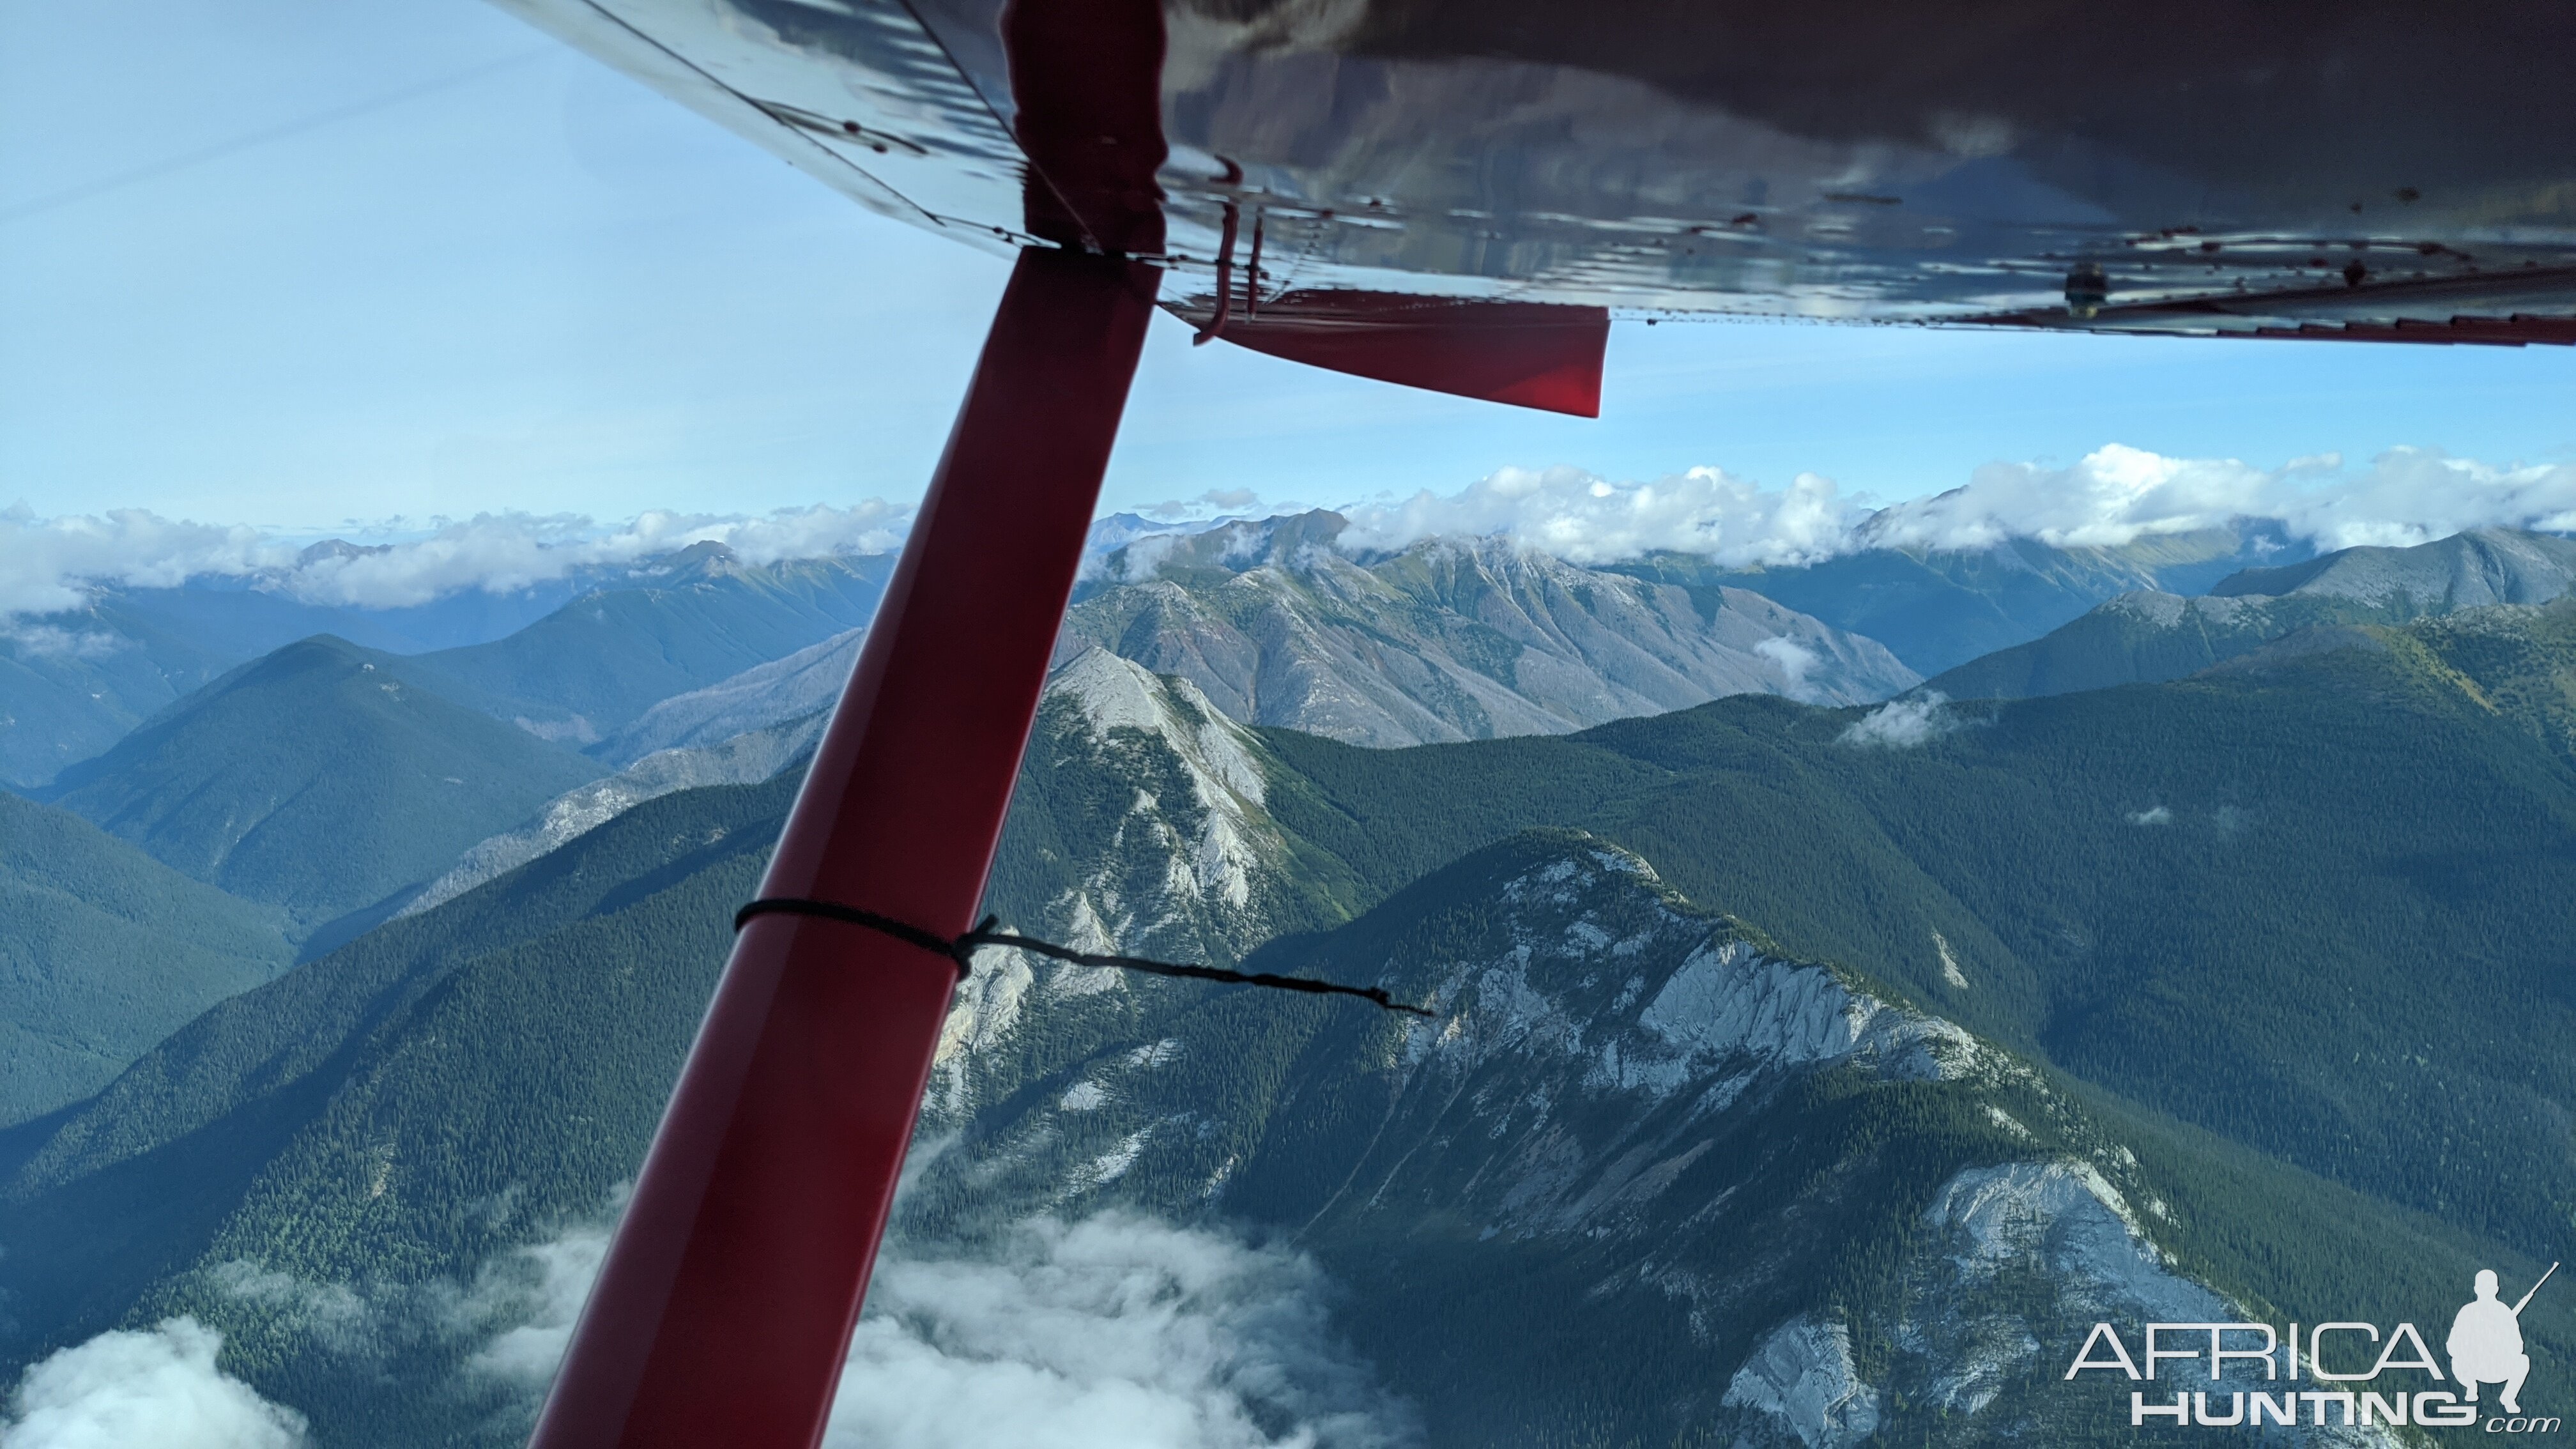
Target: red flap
1529,354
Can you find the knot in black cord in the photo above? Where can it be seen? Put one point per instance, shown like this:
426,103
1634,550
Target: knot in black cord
962,949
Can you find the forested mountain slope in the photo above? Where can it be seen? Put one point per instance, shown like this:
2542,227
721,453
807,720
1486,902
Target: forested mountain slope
2520,661
2220,897
743,759
2468,569
73,683
2146,637
105,951
407,1108
319,778
2143,638
2311,907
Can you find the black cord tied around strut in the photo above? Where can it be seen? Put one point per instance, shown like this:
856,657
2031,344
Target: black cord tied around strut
962,949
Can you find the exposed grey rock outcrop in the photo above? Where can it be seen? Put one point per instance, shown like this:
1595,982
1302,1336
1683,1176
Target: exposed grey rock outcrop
1803,1376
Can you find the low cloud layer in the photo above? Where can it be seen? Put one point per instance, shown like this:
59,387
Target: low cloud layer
1112,1333
1794,659
1902,724
159,1388
1116,1332
46,564
537,1293
2113,496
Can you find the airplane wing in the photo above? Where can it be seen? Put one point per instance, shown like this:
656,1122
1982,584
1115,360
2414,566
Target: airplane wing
2298,169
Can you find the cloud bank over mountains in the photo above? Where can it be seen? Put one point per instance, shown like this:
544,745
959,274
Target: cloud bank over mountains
45,563
2111,497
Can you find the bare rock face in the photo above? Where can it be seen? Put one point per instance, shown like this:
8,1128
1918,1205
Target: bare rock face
1803,1377
759,698
1450,639
1182,861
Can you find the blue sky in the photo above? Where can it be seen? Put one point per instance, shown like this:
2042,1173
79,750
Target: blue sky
302,264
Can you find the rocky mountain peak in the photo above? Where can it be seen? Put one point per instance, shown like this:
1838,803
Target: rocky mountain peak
1585,956
1110,694
704,559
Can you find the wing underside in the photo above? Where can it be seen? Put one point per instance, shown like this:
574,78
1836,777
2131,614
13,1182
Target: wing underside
2301,169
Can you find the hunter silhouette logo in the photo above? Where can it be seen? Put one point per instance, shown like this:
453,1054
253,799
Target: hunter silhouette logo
2486,1342
2259,1375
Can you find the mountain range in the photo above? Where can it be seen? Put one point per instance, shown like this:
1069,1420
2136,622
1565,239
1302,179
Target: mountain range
1808,1066
573,656
384,755
1800,1074
1446,640
74,682
1936,609
684,622
604,643
2148,636
319,778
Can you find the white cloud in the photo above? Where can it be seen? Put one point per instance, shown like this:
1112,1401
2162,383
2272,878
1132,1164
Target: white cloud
129,1390
1586,519
46,562
2412,496
44,641
1143,559
331,1313
503,553
1116,1332
2111,497
1222,500
1903,723
1794,660
1112,1333
2159,815
538,1291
